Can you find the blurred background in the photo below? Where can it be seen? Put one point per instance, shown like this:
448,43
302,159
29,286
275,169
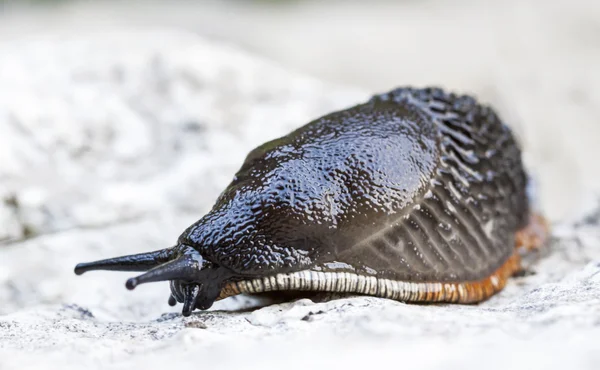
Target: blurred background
122,121
537,62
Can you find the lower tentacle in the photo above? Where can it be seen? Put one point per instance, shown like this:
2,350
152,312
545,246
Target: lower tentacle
191,292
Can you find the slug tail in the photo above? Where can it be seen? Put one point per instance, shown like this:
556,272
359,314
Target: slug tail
134,262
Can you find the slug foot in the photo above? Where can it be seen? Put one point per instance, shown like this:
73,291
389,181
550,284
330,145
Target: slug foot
338,283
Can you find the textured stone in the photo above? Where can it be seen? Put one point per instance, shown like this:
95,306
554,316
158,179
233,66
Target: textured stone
114,144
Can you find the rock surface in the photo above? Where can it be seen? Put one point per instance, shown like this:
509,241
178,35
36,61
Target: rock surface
120,141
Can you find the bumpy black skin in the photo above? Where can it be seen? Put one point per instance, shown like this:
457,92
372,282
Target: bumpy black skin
414,185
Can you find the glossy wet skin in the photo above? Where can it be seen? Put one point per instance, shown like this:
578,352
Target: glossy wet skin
414,185
302,200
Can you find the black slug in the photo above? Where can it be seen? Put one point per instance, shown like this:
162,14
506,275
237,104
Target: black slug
417,195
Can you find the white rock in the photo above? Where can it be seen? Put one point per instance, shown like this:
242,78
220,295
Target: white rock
113,144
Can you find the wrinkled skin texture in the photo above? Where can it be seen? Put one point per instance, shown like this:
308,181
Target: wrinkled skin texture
414,185
304,198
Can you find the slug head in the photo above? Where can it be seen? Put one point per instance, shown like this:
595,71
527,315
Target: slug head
194,281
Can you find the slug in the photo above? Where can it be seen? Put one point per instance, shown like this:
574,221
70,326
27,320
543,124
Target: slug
417,195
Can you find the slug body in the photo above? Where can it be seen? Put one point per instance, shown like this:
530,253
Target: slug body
415,195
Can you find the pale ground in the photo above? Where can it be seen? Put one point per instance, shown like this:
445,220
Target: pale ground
117,133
